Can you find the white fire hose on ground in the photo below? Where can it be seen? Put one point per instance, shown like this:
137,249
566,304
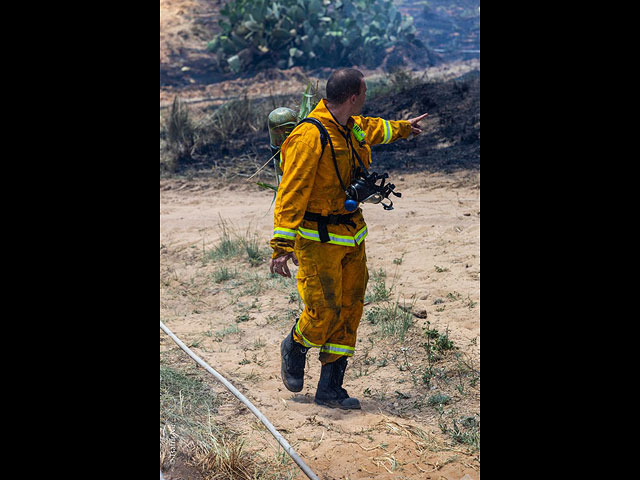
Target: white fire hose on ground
303,466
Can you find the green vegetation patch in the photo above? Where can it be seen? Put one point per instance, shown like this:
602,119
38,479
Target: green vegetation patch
313,33
184,399
390,319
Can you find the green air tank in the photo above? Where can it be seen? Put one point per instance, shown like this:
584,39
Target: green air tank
281,122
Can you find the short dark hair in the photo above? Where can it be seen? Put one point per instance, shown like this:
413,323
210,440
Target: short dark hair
342,84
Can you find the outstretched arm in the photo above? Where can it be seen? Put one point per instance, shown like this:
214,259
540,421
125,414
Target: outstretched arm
380,131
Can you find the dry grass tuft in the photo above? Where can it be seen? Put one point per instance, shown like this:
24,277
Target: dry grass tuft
224,459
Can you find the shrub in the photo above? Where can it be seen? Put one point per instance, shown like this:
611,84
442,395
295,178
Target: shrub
179,137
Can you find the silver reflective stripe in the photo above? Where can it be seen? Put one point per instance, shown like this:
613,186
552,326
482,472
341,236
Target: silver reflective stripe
334,239
309,234
284,232
307,343
387,131
362,235
337,349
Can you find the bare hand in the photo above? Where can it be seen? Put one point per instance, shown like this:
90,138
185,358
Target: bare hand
415,127
279,265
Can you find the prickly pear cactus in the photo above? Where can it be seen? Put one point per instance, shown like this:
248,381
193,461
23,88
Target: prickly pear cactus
259,34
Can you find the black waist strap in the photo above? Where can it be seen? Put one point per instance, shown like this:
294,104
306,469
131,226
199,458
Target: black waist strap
328,220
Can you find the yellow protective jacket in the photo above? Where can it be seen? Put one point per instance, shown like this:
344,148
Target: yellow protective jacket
309,181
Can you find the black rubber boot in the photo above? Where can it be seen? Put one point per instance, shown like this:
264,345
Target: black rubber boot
294,357
330,392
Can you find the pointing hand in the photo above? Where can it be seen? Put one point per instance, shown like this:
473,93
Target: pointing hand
415,124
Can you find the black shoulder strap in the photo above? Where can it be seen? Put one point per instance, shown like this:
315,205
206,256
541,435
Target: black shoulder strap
324,139
324,135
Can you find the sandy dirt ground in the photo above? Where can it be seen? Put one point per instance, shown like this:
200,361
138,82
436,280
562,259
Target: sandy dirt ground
429,249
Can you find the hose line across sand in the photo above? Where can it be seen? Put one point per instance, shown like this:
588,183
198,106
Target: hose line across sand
296,458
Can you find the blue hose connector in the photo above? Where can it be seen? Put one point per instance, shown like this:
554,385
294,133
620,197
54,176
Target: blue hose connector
350,205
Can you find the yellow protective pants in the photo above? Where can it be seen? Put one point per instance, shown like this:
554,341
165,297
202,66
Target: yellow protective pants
332,280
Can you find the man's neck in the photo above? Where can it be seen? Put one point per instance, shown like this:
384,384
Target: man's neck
342,113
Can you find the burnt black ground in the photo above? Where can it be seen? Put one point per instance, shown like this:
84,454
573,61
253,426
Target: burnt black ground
450,140
451,133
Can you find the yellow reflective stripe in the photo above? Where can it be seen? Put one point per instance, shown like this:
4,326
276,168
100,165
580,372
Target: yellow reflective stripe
277,235
284,233
309,234
338,349
387,131
345,240
307,343
361,235
306,230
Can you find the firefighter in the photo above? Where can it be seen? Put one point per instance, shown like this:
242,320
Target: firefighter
314,230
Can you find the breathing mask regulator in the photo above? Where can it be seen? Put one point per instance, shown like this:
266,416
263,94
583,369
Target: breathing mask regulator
364,188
